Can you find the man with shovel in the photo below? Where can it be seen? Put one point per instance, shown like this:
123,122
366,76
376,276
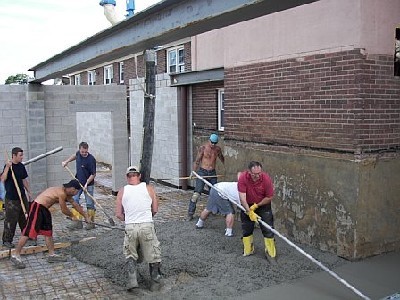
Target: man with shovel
136,205
40,221
85,173
15,178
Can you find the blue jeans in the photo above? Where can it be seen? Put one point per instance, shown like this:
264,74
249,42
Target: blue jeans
200,186
89,201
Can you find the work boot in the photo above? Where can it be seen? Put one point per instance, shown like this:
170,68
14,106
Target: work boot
270,250
248,246
56,258
17,262
76,221
132,274
76,225
8,245
91,213
155,272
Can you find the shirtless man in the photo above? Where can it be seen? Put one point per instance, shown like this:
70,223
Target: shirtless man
39,219
204,165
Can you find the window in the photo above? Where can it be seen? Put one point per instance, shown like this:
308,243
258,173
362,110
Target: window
221,121
108,74
91,78
176,60
77,79
121,72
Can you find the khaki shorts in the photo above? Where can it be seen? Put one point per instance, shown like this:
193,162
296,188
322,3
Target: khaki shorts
141,242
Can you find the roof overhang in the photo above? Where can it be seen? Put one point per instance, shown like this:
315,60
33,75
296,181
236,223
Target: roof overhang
163,23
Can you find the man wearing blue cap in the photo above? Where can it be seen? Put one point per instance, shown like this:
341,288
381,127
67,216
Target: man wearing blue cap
204,165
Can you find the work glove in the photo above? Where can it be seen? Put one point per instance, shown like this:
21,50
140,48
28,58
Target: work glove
252,215
254,207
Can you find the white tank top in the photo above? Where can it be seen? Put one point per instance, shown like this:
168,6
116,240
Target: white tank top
137,204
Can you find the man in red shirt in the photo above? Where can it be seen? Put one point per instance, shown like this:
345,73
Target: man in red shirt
256,191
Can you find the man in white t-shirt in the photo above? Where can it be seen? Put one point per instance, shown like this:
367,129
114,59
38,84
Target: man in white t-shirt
136,205
218,202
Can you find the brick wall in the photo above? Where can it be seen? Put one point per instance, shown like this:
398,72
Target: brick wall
161,62
205,105
344,101
188,57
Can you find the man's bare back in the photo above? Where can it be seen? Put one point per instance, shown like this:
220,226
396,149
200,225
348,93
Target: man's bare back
52,195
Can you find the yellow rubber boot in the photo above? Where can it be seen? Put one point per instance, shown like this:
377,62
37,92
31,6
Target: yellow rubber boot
1,210
270,249
248,245
76,222
91,213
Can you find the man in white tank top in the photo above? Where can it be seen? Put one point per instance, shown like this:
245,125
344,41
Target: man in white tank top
136,205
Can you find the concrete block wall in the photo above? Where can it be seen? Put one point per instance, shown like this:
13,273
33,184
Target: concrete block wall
98,137
13,121
41,118
165,163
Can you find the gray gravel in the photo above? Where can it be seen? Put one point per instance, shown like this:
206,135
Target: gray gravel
203,264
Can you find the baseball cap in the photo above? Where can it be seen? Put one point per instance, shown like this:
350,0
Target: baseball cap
132,169
73,183
214,138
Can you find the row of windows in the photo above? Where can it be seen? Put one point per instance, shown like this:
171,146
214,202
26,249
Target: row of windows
175,64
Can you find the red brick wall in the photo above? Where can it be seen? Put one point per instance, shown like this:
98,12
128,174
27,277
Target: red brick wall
129,70
342,101
188,57
205,105
161,62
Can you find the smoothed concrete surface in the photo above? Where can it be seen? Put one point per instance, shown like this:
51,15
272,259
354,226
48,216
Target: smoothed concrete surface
376,277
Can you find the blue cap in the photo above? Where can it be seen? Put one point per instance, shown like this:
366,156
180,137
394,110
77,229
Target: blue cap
214,138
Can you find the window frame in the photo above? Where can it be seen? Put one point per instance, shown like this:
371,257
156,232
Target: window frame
121,72
221,108
108,75
77,79
91,77
179,65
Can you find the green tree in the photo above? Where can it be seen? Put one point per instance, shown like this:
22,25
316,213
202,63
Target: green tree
18,78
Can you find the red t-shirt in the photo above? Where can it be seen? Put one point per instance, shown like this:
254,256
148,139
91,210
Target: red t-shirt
255,190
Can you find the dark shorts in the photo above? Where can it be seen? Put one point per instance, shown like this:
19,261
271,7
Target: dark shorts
39,222
217,204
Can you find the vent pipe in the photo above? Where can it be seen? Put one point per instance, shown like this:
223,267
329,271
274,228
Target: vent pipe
109,11
130,8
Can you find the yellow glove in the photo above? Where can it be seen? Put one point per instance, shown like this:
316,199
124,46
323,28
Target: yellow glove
253,216
254,207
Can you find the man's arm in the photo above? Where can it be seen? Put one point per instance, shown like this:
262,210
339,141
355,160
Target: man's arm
25,182
119,209
89,180
65,210
243,201
68,160
221,156
4,175
199,157
154,203
265,201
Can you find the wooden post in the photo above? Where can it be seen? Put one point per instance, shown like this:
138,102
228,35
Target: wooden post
148,116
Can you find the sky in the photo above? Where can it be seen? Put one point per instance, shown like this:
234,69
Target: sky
32,31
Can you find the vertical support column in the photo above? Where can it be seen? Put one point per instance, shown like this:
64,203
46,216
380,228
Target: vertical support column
148,116
36,134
